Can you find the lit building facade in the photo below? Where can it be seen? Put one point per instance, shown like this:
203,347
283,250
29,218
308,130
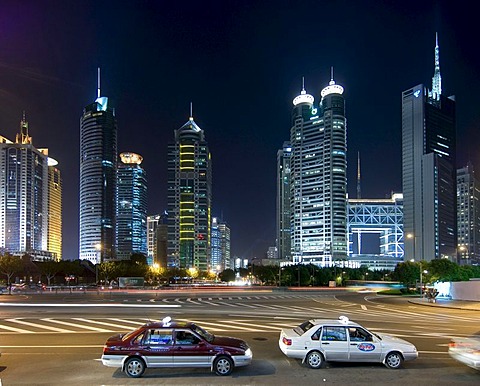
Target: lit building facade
318,178
468,216
157,236
131,206
25,199
428,171
189,199
220,246
98,181
382,217
54,232
284,245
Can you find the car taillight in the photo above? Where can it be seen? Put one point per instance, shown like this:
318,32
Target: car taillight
286,341
452,345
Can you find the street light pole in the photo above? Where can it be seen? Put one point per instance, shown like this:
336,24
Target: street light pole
421,280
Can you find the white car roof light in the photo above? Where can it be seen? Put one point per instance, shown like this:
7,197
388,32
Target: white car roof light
166,321
343,319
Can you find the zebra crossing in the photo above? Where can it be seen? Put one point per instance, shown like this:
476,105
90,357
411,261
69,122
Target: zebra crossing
252,316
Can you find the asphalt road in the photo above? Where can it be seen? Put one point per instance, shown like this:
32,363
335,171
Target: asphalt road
57,339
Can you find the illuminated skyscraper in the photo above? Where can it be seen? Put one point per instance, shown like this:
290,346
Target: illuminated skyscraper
98,176
468,216
131,206
54,229
428,170
319,177
284,245
189,198
157,236
220,246
30,212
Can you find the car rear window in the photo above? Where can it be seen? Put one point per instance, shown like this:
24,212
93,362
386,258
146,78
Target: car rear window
303,328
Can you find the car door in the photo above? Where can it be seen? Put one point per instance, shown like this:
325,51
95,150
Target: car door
334,343
190,350
157,347
362,346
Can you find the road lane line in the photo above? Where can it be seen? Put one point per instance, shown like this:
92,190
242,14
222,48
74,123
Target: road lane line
193,301
128,321
91,328
103,305
263,326
55,329
14,329
103,323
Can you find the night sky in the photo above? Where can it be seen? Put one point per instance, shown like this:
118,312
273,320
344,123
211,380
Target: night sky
241,63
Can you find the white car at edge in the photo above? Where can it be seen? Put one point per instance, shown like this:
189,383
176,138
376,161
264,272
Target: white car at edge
318,340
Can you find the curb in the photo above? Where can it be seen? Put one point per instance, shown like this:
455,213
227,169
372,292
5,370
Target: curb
466,308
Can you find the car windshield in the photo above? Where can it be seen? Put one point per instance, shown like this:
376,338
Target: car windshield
303,328
203,333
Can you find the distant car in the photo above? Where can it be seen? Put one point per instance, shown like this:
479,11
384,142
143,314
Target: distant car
317,341
466,350
172,344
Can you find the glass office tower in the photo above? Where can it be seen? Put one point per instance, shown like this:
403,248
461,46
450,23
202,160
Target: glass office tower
428,171
189,199
284,246
318,178
131,206
25,199
98,176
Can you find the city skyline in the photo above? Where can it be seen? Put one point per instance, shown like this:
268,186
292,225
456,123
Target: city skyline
241,65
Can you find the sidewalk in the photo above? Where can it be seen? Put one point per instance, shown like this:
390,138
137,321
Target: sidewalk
447,303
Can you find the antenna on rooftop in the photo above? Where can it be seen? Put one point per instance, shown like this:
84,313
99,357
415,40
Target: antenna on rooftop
98,82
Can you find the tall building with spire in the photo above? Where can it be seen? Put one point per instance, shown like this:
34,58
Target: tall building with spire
319,177
30,203
189,198
428,171
98,177
131,206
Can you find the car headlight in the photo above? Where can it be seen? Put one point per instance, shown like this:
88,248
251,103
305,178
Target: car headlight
248,352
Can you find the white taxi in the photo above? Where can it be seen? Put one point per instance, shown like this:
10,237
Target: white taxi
318,340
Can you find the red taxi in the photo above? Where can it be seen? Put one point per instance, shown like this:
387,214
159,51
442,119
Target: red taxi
174,344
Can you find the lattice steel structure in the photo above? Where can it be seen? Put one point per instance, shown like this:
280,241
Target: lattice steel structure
378,216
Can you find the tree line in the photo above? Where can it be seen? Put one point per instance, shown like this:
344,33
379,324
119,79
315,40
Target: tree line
15,269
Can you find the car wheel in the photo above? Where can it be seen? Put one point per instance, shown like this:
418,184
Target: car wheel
223,365
134,367
314,359
394,360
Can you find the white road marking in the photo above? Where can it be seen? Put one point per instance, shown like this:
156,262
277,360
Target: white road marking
76,325
103,323
38,325
90,305
16,329
364,307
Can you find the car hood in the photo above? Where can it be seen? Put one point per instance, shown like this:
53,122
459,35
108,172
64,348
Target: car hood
389,339
230,342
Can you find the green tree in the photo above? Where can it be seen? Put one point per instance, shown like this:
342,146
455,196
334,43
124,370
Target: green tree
227,275
49,268
9,266
407,273
107,270
443,270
